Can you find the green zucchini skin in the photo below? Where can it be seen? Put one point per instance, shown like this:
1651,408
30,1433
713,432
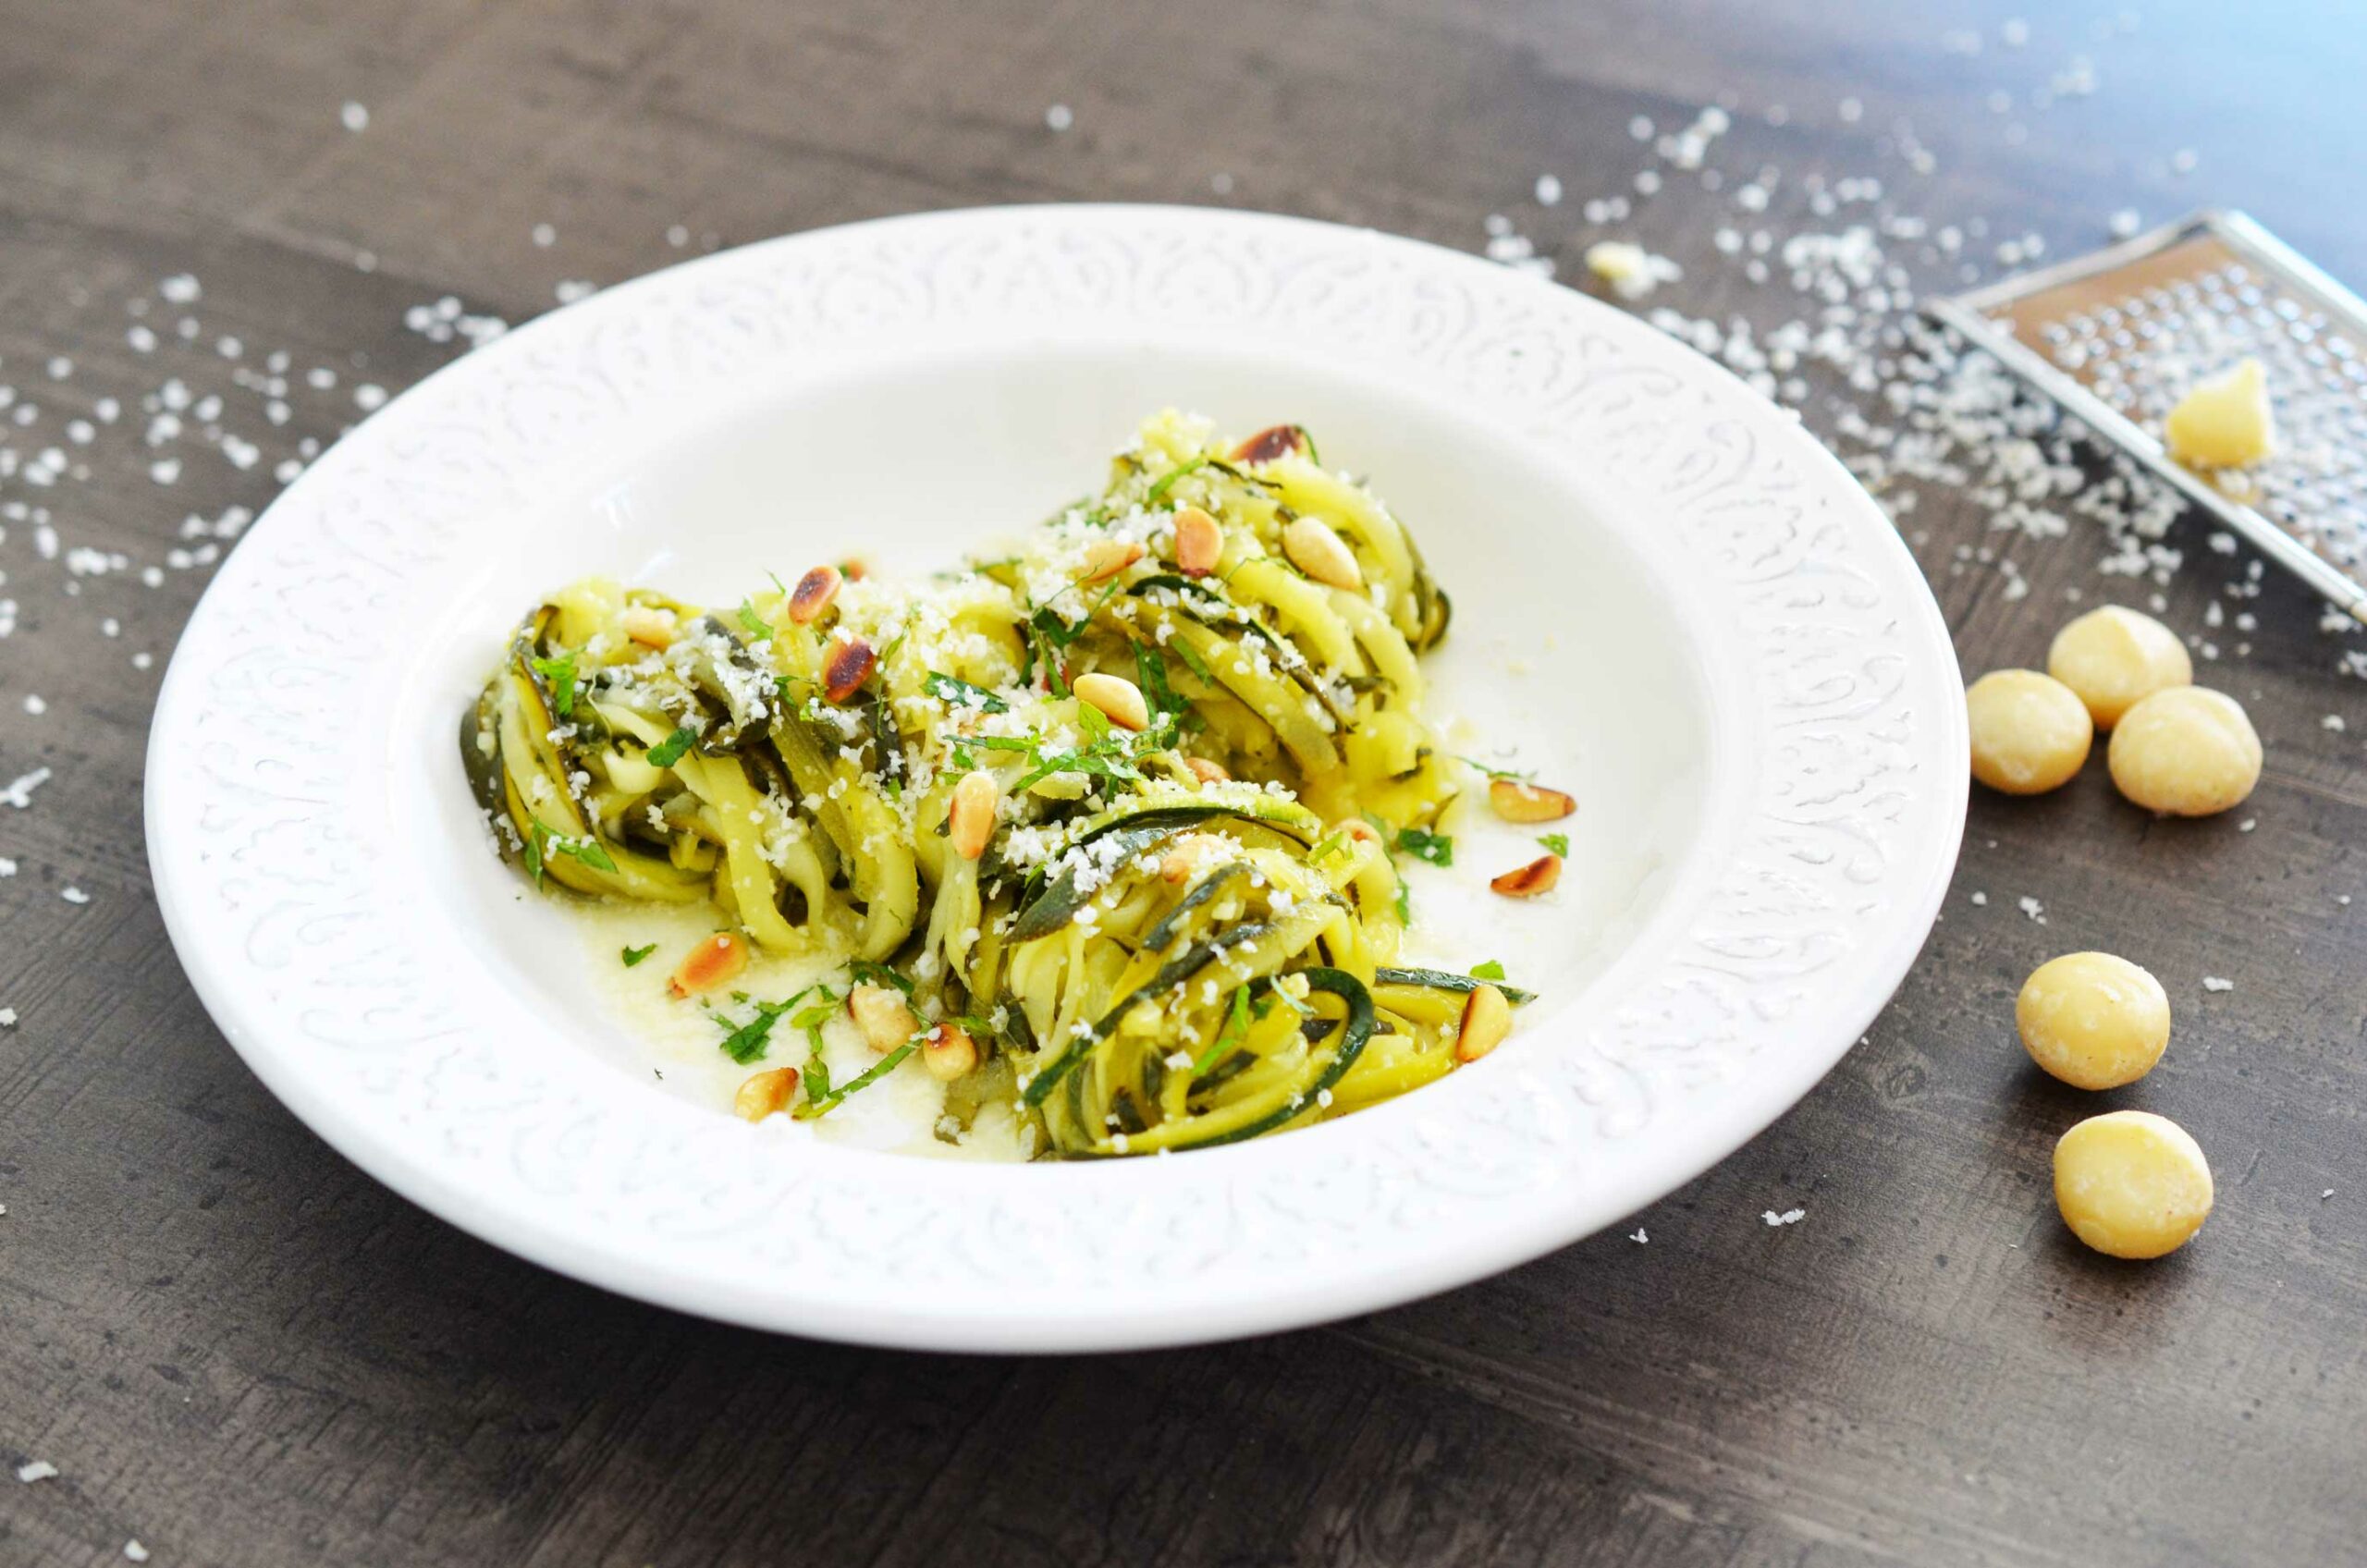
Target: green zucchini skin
1044,909
1348,988
1173,973
1441,980
1163,934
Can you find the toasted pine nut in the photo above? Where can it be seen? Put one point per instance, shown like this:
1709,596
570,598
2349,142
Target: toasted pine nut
882,1017
850,664
714,961
1207,772
1538,877
1487,1019
970,820
1269,444
1105,558
1516,801
949,1052
1190,852
766,1093
812,593
1198,542
647,625
1120,700
1317,551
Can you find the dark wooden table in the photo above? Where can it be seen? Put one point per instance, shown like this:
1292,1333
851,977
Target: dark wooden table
242,1352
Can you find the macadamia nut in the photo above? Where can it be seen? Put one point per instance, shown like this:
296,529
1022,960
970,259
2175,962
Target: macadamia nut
2114,657
2093,1019
2224,422
2185,752
2031,732
2132,1185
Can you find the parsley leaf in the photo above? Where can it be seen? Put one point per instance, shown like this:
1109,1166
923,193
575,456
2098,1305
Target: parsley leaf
1516,775
541,843
748,1042
1236,1027
1194,662
822,1105
1491,969
1558,842
1166,480
634,955
1331,844
868,974
1405,904
669,752
960,693
1436,848
586,850
560,673
1152,669
756,625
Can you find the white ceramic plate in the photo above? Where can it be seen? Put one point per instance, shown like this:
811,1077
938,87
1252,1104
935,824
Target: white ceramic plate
1667,594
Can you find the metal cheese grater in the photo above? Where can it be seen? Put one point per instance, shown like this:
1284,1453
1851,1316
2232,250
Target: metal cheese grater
2116,337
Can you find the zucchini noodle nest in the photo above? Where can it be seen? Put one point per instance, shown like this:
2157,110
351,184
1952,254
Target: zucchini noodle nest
1117,808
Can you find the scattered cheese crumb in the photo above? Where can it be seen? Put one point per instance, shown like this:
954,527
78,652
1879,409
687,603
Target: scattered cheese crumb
1789,1217
2214,983
1632,270
2034,909
35,1470
7,1018
73,895
2247,824
133,1551
1639,1238
1060,116
1980,899
356,116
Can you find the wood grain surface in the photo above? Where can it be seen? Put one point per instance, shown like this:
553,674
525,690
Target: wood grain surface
240,1352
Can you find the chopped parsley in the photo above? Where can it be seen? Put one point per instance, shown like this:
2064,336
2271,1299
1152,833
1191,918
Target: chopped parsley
1235,1028
541,843
1166,481
1152,670
1515,774
634,955
1436,848
960,693
868,974
1491,969
669,752
1558,842
1330,845
755,625
1404,903
1194,662
744,1043
560,673
823,1103
817,1077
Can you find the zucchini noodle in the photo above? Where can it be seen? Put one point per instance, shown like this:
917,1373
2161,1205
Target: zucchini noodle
1173,921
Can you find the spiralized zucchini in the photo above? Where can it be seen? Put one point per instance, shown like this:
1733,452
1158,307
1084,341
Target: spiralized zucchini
1178,923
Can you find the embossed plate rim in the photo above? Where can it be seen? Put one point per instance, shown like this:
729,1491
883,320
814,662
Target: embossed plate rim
651,1200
